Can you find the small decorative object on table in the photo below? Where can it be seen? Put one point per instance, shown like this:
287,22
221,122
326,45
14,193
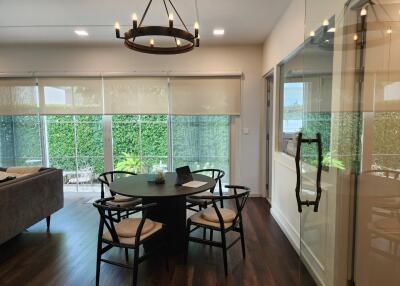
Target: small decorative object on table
159,177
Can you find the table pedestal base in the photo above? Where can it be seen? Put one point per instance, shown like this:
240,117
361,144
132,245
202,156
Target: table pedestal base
170,211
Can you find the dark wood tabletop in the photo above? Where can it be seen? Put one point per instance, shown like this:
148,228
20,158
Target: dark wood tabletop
140,186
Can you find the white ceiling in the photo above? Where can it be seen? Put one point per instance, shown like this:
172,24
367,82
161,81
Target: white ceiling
54,21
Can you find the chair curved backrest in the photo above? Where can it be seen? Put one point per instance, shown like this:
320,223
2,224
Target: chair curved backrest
107,178
240,199
216,174
108,220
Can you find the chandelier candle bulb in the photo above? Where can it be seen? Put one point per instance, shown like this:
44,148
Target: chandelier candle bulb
325,23
312,34
152,43
178,43
363,12
134,20
196,29
171,20
117,27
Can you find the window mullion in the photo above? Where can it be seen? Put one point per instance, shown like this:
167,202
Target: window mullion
169,129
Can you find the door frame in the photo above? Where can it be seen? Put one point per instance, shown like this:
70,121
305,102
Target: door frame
267,134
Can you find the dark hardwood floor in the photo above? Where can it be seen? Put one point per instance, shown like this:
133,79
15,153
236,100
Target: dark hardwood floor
66,255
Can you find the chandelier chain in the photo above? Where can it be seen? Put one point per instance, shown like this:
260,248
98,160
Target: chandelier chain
145,12
197,10
166,9
179,16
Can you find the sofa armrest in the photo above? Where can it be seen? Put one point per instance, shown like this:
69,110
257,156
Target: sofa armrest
29,199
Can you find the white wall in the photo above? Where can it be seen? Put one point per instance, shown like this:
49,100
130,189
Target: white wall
246,59
287,35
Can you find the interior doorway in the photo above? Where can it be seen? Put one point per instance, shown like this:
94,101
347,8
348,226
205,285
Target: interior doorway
268,146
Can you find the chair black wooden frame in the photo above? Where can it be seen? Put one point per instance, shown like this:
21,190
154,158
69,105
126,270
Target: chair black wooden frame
237,223
195,201
103,178
108,220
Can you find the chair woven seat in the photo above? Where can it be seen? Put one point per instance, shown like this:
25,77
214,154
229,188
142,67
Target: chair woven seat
121,198
132,202
126,230
210,214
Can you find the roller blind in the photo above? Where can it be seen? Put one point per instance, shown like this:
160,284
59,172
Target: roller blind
130,95
205,96
18,96
71,95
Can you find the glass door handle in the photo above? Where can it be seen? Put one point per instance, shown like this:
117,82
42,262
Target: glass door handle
308,203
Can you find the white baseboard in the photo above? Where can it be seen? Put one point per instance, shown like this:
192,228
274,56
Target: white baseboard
288,229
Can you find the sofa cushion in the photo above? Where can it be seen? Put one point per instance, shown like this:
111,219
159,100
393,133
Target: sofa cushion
23,170
4,175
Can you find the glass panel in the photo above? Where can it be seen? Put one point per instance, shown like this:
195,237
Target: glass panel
20,141
140,142
61,148
90,158
75,144
377,251
361,174
314,64
6,141
201,142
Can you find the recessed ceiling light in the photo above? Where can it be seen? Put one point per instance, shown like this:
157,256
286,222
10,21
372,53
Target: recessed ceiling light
81,33
219,32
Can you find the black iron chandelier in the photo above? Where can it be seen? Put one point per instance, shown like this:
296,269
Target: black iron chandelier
184,41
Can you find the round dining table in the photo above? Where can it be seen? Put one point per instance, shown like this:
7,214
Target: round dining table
170,199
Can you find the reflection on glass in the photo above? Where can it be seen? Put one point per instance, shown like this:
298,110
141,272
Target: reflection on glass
377,257
306,93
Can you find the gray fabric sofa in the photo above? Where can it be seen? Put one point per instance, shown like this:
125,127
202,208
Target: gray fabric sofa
26,200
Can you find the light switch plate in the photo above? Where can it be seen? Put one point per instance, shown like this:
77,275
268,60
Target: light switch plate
245,131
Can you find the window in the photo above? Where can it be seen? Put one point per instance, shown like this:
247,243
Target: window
85,125
293,97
